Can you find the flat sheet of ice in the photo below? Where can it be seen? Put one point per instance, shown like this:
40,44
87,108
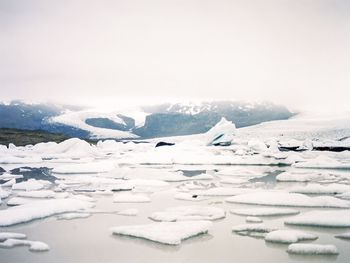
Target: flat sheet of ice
159,174
20,201
260,227
189,197
183,213
131,198
85,168
8,176
298,176
312,249
321,189
30,185
69,216
170,233
19,160
265,211
38,194
323,162
343,235
253,219
40,209
4,193
336,218
289,236
277,198
7,235
9,183
33,245
223,191
129,212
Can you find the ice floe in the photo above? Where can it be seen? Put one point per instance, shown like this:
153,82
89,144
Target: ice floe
170,233
129,212
344,236
269,211
331,189
70,216
31,185
40,209
33,245
190,197
276,198
253,219
183,213
4,193
323,162
289,236
249,229
7,235
38,194
336,218
312,249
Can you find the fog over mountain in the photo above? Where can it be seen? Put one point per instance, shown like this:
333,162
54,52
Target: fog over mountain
107,53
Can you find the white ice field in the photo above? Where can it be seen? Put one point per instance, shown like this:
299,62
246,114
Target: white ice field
190,202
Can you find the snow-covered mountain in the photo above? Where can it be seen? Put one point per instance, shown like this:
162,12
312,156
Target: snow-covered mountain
168,119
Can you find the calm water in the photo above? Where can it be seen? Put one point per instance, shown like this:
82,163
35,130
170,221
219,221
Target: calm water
89,240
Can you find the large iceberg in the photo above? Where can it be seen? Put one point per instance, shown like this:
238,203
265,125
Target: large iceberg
221,134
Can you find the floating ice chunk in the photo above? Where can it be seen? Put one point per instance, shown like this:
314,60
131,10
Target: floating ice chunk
85,168
260,227
189,197
40,209
31,185
337,218
129,212
170,233
38,194
265,211
312,249
223,191
287,199
253,219
131,198
183,213
4,193
298,177
33,245
288,236
7,235
9,183
221,134
69,216
321,189
20,160
344,236
20,201
257,145
7,176
159,174
323,162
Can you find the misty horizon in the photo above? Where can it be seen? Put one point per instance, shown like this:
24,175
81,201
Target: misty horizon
293,53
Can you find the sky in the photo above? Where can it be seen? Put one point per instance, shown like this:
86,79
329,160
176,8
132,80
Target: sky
111,52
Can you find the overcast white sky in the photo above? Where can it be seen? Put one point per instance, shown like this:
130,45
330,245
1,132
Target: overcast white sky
295,52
